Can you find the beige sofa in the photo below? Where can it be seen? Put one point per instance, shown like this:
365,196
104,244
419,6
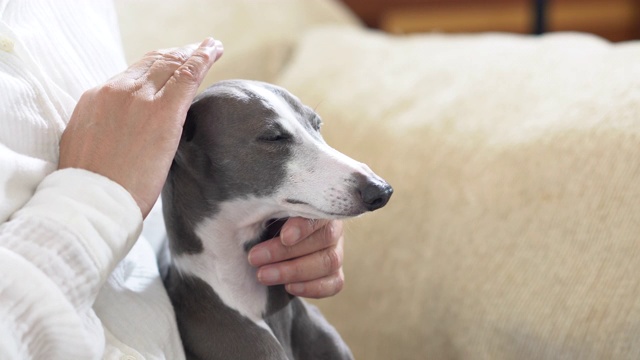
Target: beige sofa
514,230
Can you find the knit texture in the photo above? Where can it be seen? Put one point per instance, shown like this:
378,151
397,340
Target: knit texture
67,291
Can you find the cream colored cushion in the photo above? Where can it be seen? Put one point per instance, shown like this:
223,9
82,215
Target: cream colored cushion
514,230
259,35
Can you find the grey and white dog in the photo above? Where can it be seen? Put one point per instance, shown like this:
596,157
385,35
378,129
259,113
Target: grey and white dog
250,153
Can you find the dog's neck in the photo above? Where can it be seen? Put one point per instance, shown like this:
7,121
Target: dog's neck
223,264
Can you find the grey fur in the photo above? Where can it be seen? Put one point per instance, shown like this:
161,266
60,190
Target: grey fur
230,168
219,160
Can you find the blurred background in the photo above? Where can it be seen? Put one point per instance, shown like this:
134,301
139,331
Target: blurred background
615,20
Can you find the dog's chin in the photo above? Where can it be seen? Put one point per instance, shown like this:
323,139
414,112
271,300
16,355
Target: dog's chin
297,208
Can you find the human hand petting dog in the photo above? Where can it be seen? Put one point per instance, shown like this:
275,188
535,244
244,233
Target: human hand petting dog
129,128
306,258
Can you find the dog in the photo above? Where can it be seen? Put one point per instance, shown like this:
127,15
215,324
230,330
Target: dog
251,153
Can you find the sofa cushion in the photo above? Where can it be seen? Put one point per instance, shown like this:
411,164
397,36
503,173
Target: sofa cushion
514,230
258,35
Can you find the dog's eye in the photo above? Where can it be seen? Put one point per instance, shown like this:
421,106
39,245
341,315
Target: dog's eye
275,137
316,123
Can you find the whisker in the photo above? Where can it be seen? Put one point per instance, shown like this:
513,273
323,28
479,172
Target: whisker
315,108
272,222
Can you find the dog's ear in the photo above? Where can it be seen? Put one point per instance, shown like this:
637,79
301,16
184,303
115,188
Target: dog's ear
189,128
185,147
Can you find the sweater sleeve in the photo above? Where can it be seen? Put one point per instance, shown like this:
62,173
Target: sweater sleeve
61,246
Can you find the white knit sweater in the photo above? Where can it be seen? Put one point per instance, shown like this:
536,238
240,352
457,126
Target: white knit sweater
67,291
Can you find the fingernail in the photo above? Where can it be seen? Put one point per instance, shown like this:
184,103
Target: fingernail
219,49
295,288
208,42
268,275
290,235
219,45
259,257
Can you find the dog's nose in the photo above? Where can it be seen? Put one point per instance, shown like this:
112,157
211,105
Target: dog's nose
375,195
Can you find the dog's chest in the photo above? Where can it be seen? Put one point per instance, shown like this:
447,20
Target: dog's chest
224,266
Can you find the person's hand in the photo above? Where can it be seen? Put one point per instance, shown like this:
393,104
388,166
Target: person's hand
129,128
306,257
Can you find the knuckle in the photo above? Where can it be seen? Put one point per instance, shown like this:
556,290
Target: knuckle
191,71
332,259
109,89
175,56
201,56
155,54
186,73
106,94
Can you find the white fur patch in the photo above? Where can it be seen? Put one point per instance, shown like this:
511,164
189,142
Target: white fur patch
288,118
223,264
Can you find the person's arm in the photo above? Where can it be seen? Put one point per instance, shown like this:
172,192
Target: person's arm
128,129
57,250
55,254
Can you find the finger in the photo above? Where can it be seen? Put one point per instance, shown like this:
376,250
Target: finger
165,63
302,269
319,288
273,251
187,77
140,68
296,229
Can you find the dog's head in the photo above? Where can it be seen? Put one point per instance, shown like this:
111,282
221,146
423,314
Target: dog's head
247,140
